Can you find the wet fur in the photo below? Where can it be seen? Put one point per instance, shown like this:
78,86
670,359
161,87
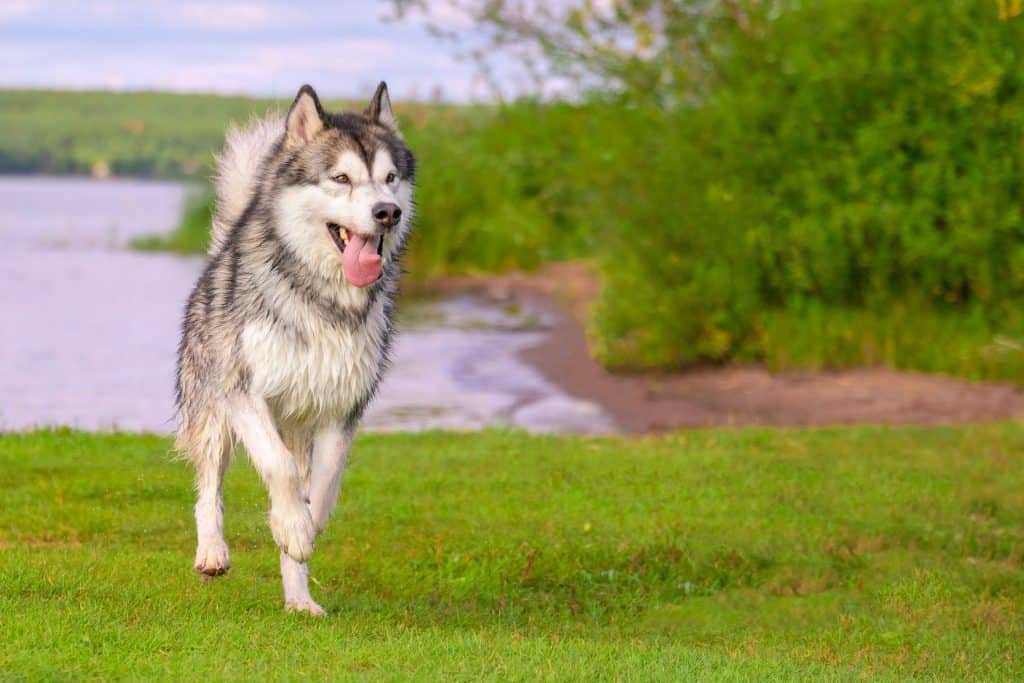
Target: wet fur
278,350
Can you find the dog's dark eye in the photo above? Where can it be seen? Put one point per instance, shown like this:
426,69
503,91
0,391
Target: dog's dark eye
342,178
390,179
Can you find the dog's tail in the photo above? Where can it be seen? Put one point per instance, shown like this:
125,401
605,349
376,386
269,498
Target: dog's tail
238,170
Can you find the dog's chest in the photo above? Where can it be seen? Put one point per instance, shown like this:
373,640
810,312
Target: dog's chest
327,373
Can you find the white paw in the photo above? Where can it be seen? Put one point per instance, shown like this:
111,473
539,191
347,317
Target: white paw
293,531
304,605
212,557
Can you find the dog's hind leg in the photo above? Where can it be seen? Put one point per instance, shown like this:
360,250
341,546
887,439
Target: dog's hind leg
295,578
330,452
211,460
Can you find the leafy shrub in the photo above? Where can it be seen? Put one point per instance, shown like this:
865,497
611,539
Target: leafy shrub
500,189
678,285
859,156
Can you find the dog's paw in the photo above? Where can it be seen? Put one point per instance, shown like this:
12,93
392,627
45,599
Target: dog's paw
293,532
304,605
212,557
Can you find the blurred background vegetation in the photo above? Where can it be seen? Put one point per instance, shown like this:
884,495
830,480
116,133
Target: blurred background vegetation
816,184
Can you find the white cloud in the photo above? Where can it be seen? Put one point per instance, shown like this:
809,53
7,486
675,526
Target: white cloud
231,16
13,9
254,47
444,15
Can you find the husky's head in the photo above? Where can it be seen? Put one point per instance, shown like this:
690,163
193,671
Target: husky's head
346,183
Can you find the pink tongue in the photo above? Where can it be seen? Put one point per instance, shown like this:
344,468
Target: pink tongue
360,261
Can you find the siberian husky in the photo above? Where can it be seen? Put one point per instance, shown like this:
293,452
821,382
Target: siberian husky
287,331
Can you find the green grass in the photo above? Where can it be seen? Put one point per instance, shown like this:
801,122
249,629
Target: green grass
735,555
968,343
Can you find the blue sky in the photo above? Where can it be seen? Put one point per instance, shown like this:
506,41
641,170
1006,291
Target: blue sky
255,47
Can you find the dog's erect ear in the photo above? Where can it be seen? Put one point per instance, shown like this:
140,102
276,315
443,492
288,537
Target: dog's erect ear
379,110
305,118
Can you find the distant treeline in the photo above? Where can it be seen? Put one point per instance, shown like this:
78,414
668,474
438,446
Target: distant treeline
140,134
849,190
133,134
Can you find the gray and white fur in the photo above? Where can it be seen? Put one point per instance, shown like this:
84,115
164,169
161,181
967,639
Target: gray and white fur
287,332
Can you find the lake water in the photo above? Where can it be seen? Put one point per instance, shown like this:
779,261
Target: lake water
89,328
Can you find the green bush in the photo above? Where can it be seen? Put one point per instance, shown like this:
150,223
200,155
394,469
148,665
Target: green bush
500,188
893,167
859,156
678,284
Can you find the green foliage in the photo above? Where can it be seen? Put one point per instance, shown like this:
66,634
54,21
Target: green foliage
678,284
192,235
965,341
892,168
863,158
884,554
501,189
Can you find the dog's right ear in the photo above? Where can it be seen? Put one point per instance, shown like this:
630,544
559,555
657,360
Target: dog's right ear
305,118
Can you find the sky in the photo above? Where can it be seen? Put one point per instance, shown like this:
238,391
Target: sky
251,47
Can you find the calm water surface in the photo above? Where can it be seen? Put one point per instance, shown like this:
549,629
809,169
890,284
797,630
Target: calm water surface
89,328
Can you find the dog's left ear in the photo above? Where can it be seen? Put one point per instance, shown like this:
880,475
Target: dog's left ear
379,110
305,118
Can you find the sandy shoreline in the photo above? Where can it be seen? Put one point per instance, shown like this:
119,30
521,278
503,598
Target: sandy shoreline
731,396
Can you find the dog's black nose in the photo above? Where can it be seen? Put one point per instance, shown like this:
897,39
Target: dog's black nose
386,214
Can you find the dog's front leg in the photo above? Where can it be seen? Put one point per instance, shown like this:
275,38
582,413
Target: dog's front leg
290,521
330,449
212,557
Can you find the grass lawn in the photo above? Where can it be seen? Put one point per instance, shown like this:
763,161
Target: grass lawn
749,554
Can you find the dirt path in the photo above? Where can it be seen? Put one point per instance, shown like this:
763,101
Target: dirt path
725,396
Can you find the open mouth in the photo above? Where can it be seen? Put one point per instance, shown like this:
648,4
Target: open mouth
341,237
361,255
